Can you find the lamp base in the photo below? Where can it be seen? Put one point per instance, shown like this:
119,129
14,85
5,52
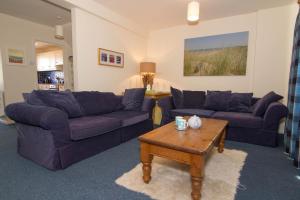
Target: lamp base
148,80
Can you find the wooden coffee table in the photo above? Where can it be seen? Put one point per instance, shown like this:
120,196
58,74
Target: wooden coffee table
189,147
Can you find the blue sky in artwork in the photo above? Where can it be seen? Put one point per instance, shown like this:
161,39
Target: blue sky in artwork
217,41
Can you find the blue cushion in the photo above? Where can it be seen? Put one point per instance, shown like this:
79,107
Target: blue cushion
177,97
240,102
217,100
128,117
193,99
192,111
243,120
64,101
262,104
95,103
89,126
133,99
33,99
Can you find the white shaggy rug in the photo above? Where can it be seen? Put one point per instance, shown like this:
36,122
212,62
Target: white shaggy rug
171,180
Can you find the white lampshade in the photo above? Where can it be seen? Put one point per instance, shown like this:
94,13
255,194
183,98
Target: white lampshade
193,11
59,32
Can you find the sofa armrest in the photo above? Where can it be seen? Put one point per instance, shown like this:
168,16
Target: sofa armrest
275,112
166,105
48,118
148,106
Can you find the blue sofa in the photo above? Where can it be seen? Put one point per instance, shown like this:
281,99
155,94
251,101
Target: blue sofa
243,127
50,138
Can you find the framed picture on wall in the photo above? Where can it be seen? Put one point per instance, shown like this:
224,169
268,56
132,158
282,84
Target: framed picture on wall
15,56
110,58
217,55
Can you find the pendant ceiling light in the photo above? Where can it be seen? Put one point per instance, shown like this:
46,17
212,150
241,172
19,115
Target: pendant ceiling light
59,32
193,11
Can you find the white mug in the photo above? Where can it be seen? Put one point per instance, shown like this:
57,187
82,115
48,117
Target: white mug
177,118
182,124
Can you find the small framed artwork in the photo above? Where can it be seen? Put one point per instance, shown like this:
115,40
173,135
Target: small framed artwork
15,56
110,58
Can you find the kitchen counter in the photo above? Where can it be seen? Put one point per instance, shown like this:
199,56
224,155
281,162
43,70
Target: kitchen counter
49,86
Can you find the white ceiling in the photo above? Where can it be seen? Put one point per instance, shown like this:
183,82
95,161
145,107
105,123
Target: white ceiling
39,11
156,14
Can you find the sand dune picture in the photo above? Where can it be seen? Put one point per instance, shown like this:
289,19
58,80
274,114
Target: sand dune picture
221,55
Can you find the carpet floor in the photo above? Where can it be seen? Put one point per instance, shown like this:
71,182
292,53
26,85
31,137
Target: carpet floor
267,174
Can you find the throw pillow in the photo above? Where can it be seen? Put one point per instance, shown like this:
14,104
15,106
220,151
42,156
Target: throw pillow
64,101
95,103
177,97
240,102
193,99
217,100
262,104
133,99
33,99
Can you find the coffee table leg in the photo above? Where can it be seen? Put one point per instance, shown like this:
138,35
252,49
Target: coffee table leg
222,142
146,159
196,171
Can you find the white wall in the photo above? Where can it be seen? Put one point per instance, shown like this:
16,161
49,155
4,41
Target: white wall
91,32
269,52
19,33
275,29
1,86
96,9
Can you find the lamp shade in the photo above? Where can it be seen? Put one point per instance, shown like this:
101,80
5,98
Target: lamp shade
59,32
193,11
148,67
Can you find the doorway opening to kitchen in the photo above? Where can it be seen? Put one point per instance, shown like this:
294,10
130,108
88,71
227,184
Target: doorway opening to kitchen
50,66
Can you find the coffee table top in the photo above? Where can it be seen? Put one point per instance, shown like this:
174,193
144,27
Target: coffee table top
197,141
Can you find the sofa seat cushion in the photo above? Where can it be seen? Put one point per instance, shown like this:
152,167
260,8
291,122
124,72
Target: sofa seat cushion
244,120
89,126
192,111
128,117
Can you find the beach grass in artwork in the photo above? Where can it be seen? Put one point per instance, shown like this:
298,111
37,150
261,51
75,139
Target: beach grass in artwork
221,55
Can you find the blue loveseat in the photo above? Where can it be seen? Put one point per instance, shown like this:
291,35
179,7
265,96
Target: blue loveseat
261,129
51,138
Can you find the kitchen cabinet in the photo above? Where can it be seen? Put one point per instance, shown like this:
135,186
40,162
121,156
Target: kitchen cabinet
48,61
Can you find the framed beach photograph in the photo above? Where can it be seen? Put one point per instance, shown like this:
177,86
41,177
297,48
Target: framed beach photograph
15,56
219,55
110,58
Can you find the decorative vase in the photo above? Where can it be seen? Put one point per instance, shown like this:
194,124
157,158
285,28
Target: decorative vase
194,122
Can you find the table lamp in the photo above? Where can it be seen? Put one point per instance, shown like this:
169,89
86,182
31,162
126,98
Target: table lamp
147,70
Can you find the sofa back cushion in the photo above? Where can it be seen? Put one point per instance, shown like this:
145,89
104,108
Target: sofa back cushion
33,99
95,103
133,99
217,100
262,104
193,99
64,101
177,98
240,102
254,100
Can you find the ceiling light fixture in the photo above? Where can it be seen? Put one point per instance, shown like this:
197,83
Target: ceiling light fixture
59,32
193,11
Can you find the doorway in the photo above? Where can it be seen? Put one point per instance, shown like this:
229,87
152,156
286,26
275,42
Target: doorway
50,66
